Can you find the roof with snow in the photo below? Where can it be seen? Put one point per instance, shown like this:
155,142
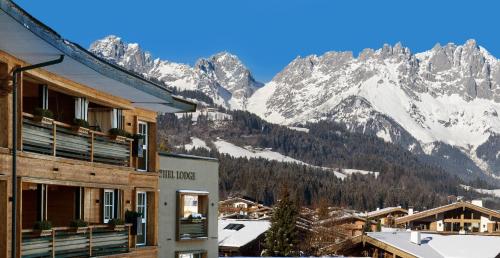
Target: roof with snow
238,233
441,246
384,211
444,208
26,38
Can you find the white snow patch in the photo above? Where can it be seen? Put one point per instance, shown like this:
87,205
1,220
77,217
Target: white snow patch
348,171
196,143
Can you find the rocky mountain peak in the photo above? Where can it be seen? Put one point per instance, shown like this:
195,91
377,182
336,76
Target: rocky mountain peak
223,76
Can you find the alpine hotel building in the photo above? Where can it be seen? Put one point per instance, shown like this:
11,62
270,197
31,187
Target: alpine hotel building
83,132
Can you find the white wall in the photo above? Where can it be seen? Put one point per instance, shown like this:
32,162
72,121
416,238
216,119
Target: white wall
483,227
206,179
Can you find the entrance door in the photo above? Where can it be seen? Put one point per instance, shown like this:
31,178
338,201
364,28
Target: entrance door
143,161
142,209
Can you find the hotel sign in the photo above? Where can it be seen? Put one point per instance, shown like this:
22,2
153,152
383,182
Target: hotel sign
177,174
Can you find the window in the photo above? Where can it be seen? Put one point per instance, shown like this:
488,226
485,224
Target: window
143,153
192,215
191,254
234,226
109,205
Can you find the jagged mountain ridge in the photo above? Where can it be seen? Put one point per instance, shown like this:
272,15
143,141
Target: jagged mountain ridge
223,77
441,104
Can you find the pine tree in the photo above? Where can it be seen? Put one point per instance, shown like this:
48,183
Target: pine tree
281,238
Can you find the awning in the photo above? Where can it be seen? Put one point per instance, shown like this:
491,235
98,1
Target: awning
26,38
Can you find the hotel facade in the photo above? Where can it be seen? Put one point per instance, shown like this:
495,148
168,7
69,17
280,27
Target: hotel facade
79,166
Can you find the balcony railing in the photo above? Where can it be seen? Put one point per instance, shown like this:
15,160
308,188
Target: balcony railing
192,228
90,241
62,140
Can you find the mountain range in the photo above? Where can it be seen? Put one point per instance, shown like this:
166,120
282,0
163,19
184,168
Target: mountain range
441,104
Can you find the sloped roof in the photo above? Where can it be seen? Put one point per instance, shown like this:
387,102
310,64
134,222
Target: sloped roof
444,208
28,39
250,231
384,211
441,246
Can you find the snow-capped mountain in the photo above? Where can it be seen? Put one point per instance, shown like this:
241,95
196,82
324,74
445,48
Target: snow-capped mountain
223,77
443,102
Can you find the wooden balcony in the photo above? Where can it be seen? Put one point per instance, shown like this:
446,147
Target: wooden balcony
62,140
193,229
92,241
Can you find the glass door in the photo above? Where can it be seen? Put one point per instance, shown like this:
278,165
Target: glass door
143,159
142,209
109,205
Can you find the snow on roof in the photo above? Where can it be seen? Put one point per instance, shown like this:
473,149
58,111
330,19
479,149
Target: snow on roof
383,211
442,246
237,238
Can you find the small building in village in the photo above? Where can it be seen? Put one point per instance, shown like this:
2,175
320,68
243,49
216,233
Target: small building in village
188,206
387,215
242,237
459,217
243,208
414,244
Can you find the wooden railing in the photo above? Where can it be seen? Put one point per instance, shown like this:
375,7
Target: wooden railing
62,140
91,241
192,229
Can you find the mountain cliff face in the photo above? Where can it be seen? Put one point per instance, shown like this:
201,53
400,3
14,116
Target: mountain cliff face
441,104
223,77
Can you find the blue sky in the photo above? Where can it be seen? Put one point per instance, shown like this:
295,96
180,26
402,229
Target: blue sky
268,34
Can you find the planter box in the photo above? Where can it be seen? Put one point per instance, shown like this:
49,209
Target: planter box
41,233
118,227
79,230
81,130
44,120
118,138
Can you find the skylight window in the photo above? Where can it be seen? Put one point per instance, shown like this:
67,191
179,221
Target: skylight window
234,226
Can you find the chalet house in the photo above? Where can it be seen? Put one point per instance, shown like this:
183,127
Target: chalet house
416,244
242,208
78,151
459,217
242,237
387,215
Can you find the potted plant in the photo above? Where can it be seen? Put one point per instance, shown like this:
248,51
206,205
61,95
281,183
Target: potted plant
43,228
137,145
134,218
43,116
117,224
118,134
81,126
79,226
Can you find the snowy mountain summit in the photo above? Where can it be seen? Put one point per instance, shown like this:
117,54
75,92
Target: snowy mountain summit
442,104
223,77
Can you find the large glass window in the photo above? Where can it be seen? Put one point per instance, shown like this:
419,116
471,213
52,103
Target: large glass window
192,215
109,205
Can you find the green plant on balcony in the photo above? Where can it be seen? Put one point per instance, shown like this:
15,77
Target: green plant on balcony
137,145
119,134
134,218
43,115
79,225
42,228
117,224
81,125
